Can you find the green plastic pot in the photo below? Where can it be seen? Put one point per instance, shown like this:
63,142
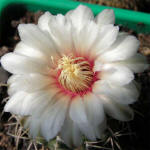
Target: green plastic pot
137,21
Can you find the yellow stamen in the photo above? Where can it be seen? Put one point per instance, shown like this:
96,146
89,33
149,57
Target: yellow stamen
76,73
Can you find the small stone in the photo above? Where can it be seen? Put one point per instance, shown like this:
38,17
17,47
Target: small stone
3,50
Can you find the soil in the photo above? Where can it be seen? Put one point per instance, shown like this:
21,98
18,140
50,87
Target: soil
137,5
134,135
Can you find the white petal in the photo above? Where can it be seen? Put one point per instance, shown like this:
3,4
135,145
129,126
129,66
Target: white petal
31,35
107,16
11,90
94,109
124,48
83,45
53,117
23,49
12,79
71,134
20,103
19,64
24,105
127,94
118,75
43,106
116,110
99,130
31,82
88,130
44,20
107,37
61,32
33,124
15,102
79,116
80,16
136,63
77,111
48,119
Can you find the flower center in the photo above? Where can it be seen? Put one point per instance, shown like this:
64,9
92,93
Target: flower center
76,73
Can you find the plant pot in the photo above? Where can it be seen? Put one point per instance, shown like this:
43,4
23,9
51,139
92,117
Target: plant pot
137,21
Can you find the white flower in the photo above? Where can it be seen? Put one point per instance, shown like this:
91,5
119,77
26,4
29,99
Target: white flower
68,71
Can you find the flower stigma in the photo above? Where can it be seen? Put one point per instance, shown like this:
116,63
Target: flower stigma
76,73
